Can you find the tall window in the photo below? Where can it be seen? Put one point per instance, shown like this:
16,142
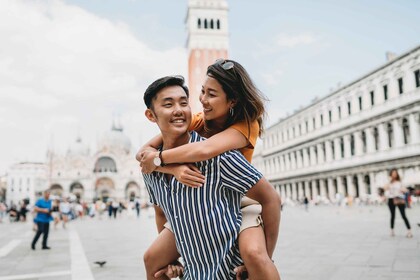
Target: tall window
211,24
205,24
360,103
316,154
376,137
352,149
417,77
322,120
385,92
199,23
406,131
324,151
306,126
330,115
339,112
400,85
218,24
342,147
332,149
364,145
313,123
372,98
349,107
390,135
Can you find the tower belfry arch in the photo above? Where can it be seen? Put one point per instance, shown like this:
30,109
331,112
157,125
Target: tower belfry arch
208,40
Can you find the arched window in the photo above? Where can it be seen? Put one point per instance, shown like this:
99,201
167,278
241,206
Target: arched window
211,24
364,146
406,131
390,135
376,137
218,24
199,23
205,24
105,164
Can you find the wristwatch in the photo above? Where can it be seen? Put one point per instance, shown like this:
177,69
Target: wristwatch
157,161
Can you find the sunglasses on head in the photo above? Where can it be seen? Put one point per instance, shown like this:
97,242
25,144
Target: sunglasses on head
227,65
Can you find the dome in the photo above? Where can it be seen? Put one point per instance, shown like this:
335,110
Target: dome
78,148
114,140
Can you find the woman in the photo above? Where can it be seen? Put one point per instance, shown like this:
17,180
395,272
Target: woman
232,118
396,199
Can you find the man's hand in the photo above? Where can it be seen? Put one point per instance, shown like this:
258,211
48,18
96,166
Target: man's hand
171,271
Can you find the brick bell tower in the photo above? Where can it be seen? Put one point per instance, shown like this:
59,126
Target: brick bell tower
208,40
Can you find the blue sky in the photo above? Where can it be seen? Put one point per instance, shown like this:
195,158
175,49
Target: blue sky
67,67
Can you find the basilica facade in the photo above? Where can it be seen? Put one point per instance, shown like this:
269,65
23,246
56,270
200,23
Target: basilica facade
346,142
109,172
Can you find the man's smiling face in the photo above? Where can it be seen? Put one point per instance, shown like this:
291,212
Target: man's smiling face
171,111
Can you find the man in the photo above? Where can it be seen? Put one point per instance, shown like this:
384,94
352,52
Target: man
206,220
42,219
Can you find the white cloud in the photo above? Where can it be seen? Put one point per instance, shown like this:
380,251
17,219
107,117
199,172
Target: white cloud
291,41
65,70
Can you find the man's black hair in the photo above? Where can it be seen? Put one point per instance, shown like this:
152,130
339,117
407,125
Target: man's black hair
160,84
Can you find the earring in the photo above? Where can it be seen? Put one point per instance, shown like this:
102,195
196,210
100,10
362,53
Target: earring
231,112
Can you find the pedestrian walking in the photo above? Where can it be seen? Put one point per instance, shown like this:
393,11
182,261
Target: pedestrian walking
42,219
396,199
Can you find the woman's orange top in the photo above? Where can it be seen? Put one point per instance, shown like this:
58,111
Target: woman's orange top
251,133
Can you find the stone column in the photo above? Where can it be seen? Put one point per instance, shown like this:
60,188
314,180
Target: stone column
358,143
398,132
288,191
283,192
294,191
299,159
312,155
301,192
320,154
413,122
347,147
362,186
307,190
370,140
337,148
314,189
350,186
328,151
305,157
383,137
323,188
330,187
340,186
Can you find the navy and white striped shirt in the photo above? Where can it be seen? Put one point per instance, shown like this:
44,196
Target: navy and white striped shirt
206,220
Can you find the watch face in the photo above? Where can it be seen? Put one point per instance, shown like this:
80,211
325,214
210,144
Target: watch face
157,161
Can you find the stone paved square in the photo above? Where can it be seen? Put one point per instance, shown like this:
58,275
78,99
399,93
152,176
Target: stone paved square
327,242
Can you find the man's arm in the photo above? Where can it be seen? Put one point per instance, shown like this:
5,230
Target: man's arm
160,218
266,195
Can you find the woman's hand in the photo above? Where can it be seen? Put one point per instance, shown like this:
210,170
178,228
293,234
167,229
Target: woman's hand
146,162
171,271
241,272
188,174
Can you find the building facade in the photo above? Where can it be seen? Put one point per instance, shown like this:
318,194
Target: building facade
347,142
24,181
207,41
110,172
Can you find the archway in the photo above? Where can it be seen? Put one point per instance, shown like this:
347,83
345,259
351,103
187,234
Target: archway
105,164
77,189
132,190
56,189
105,189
